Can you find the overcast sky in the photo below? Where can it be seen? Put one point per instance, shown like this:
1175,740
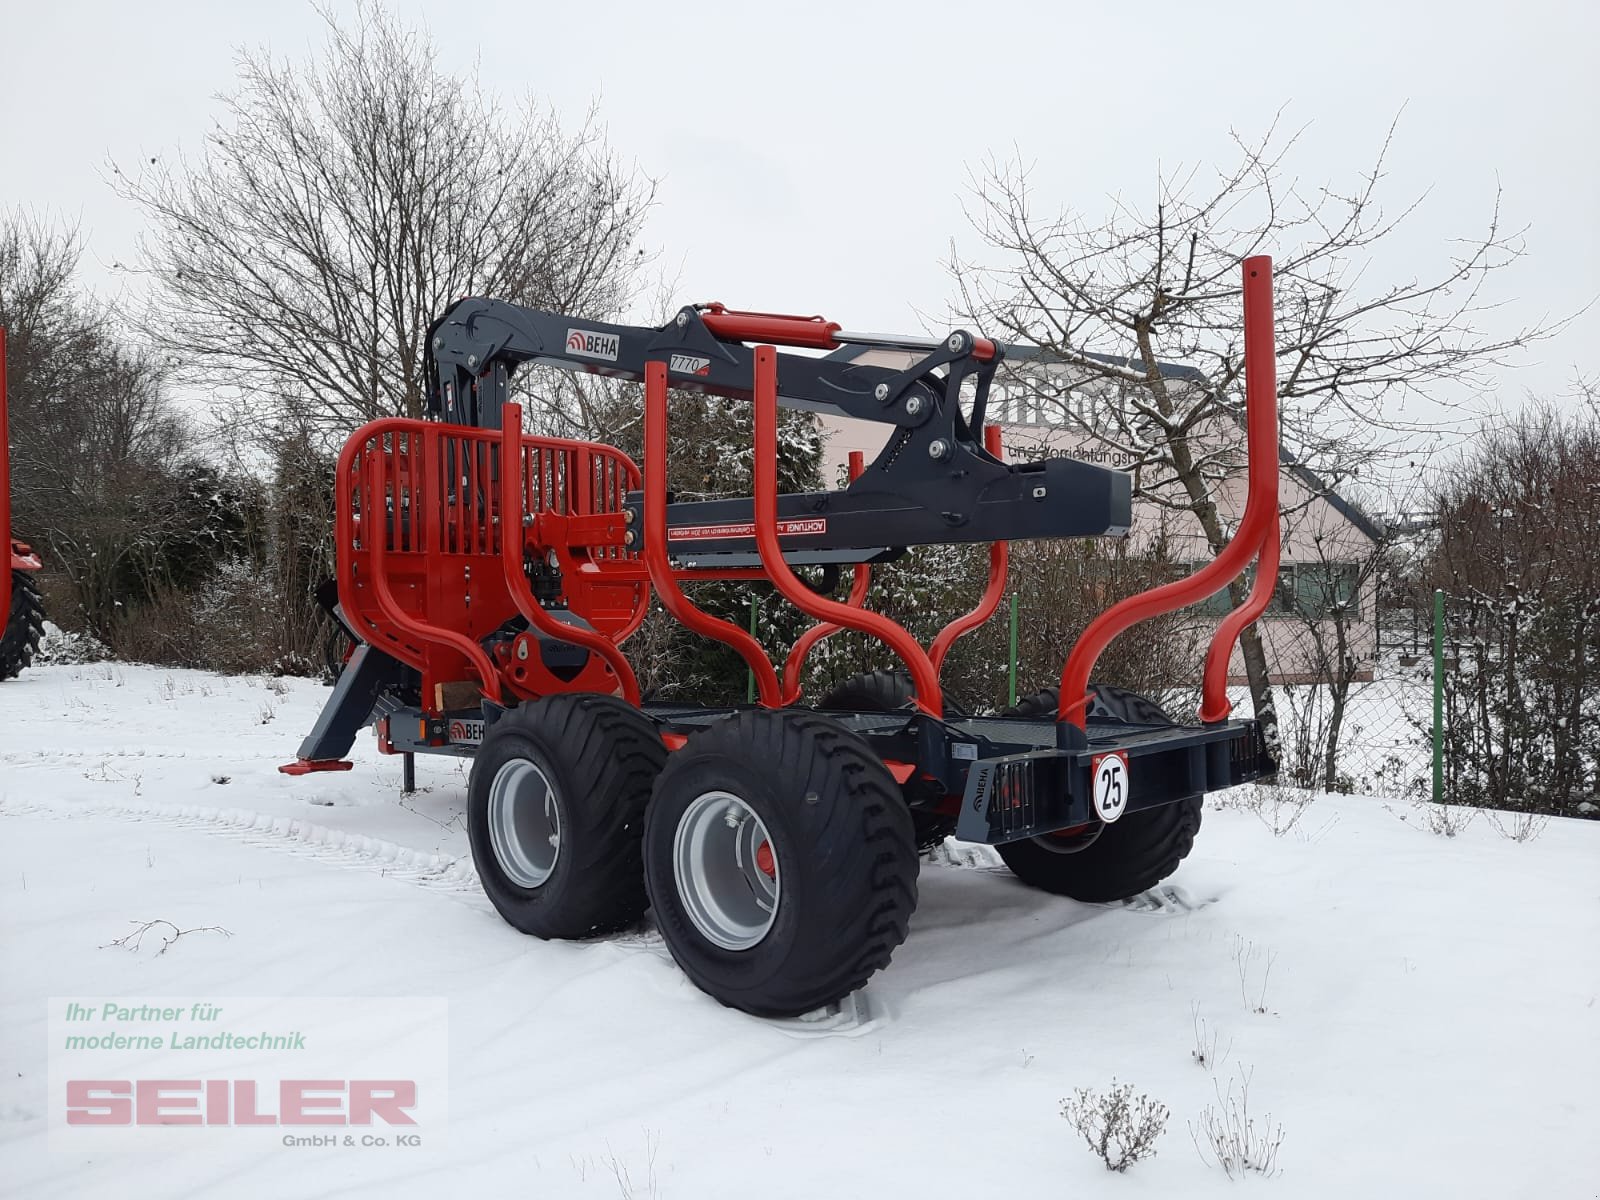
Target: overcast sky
811,157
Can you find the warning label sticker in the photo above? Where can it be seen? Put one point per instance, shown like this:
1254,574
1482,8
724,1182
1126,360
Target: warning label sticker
712,533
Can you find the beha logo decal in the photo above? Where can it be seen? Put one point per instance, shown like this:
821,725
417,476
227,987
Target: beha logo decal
468,733
593,345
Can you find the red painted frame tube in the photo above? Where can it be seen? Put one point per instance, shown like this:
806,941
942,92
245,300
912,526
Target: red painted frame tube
1256,528
924,678
344,524
1214,703
5,483
860,584
1261,396
999,567
376,513
346,477
659,563
511,548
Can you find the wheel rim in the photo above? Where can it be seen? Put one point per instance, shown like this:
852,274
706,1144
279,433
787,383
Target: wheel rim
1071,841
524,823
726,871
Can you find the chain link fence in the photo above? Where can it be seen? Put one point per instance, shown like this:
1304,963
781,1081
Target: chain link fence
1470,701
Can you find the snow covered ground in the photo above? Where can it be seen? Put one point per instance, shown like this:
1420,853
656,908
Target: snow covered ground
1430,1023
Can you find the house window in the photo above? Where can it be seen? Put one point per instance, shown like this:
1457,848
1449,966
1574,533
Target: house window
1319,589
1221,604
1282,603
1306,590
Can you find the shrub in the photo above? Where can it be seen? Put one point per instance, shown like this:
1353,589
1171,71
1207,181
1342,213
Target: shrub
1120,1126
1230,1132
1518,522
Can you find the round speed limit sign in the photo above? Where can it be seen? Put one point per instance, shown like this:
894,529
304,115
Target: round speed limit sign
1110,780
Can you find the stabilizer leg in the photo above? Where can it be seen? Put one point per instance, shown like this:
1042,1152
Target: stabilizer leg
348,710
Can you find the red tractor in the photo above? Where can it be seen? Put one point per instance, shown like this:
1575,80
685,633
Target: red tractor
490,580
24,626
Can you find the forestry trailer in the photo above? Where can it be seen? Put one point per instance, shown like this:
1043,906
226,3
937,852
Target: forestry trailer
490,580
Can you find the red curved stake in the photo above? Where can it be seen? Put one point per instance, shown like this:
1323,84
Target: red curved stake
656,559
1255,527
860,584
999,564
1214,702
925,679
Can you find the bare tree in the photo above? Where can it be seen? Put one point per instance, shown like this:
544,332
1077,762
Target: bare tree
1114,298
51,333
341,205
100,472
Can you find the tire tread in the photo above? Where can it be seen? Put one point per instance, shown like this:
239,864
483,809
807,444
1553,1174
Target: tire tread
866,842
616,750
19,642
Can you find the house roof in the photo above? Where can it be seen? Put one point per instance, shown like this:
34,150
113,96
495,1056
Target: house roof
1347,509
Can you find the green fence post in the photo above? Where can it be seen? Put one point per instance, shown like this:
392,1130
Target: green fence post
750,675
1438,695
1011,690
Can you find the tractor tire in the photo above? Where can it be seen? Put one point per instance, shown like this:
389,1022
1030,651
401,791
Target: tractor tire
555,811
878,691
1108,862
1114,703
336,648
1103,863
887,692
24,626
780,862
870,691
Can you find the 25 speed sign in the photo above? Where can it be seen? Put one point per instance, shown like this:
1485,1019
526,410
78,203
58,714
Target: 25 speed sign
1109,777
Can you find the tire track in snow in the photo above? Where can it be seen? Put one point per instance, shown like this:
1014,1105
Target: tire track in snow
23,758
855,1015
294,835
